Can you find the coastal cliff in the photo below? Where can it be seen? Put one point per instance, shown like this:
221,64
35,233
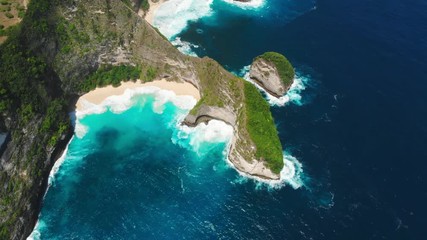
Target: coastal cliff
55,56
273,72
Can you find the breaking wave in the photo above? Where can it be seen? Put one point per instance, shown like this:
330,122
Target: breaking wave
173,16
185,47
198,138
121,103
253,4
292,175
294,94
38,229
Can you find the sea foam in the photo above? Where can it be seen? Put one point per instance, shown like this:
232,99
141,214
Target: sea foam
253,4
292,174
120,103
196,138
56,166
173,16
185,47
36,233
292,96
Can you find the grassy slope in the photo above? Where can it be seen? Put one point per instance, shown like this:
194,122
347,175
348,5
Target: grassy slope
30,95
284,67
37,83
213,82
261,128
255,118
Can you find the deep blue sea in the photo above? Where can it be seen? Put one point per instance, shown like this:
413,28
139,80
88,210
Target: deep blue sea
354,127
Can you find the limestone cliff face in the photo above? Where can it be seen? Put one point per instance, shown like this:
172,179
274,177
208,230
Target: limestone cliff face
242,149
97,33
266,75
223,98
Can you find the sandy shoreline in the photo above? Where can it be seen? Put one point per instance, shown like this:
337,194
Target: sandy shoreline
98,95
154,6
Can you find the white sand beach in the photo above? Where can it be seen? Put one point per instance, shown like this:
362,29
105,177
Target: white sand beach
98,95
154,6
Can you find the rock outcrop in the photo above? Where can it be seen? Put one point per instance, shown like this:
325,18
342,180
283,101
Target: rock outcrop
73,39
240,155
266,75
207,113
273,72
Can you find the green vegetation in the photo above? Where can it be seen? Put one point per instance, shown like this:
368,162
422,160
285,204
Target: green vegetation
69,36
261,128
210,75
145,5
45,47
20,71
128,3
21,11
254,117
9,15
150,74
30,95
284,67
9,31
110,75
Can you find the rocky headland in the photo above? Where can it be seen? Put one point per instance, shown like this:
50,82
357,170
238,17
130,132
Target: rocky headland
64,49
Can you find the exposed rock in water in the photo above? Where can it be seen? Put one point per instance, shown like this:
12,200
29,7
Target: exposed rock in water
273,72
265,74
242,150
80,37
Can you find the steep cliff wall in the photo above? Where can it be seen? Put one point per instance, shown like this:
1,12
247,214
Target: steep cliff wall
43,68
273,72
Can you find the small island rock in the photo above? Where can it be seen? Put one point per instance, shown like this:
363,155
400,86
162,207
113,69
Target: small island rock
273,72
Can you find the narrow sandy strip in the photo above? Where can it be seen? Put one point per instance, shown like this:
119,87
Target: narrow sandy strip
154,6
98,95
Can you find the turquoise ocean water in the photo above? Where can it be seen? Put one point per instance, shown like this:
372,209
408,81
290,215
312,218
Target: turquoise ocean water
353,128
135,172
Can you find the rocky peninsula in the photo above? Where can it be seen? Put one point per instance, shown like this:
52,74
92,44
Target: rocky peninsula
65,49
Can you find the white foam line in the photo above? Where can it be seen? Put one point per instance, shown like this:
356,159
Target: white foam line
291,174
173,16
57,165
185,47
252,4
120,103
216,131
36,235
293,95
117,104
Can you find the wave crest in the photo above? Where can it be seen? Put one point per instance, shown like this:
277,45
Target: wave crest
173,16
195,138
120,103
252,4
292,96
292,174
185,47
